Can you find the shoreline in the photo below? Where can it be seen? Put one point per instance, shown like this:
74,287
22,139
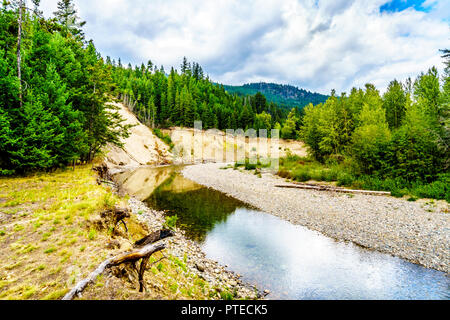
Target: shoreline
215,274
409,230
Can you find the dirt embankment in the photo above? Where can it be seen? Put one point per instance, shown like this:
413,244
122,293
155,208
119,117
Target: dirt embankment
193,146
141,148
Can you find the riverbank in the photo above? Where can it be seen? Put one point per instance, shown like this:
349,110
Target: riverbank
415,231
218,282
52,235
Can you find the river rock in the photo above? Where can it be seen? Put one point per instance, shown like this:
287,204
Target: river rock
200,267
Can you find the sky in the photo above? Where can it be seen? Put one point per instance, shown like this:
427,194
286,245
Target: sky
318,45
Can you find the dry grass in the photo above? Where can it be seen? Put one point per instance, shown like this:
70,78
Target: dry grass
48,242
45,245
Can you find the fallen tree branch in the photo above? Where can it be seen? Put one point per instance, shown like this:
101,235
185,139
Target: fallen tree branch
153,237
133,256
100,181
332,189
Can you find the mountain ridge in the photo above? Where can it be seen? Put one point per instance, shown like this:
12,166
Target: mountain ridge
281,94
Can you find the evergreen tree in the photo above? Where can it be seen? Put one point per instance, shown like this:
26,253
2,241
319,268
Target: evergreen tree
67,16
177,117
394,102
36,11
184,66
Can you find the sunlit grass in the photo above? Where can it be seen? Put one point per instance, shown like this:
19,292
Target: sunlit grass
47,212
48,243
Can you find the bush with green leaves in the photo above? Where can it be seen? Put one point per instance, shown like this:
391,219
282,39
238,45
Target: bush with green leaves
397,142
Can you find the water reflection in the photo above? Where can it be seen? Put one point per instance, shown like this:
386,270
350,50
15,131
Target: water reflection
297,263
291,261
198,209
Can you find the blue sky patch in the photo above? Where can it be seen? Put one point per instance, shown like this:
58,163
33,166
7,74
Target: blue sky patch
400,5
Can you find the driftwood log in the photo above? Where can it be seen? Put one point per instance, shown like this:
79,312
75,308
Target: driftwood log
153,237
332,189
144,253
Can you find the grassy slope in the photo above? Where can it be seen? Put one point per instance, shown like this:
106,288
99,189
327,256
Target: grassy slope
47,242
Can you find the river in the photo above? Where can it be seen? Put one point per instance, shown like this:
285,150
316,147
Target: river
291,261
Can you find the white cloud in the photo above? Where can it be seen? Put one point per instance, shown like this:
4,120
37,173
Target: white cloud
318,45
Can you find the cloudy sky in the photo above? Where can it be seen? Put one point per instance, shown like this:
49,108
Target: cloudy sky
318,45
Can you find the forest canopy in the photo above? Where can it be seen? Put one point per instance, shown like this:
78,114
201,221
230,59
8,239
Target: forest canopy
179,99
402,135
54,87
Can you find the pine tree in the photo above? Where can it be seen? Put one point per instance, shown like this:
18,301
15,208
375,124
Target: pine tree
150,66
7,143
36,11
67,16
38,138
185,66
177,116
189,111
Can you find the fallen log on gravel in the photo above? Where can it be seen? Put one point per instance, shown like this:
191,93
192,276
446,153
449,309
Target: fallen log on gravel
333,189
133,256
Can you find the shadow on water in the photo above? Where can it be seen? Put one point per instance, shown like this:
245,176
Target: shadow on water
198,209
291,261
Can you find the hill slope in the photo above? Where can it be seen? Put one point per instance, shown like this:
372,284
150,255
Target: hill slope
283,95
142,147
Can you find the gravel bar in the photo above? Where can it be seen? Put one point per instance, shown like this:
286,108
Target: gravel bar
416,231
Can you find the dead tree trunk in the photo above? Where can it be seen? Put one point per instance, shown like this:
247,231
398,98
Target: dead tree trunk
133,256
152,238
19,57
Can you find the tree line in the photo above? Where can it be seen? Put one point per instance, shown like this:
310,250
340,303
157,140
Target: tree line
54,86
403,134
54,89
180,98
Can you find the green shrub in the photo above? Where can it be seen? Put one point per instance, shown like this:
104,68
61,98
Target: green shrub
250,166
345,179
301,175
164,137
225,295
92,234
171,222
331,174
438,189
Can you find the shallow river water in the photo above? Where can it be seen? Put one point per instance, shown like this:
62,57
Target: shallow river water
291,261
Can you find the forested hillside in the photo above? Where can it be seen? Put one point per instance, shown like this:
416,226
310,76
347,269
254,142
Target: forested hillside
180,98
53,89
285,96
54,86
397,141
